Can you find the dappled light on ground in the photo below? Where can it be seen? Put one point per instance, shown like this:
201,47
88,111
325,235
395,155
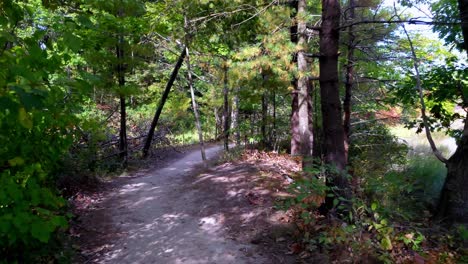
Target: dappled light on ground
225,215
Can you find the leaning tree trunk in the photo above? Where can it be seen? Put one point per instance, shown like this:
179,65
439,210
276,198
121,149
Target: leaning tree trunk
334,135
195,107
164,97
453,204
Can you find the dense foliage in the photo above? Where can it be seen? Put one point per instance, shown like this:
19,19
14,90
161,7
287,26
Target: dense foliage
80,81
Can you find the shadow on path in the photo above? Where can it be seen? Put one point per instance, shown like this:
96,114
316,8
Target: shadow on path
173,215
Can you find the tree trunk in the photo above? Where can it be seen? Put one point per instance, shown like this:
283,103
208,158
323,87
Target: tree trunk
349,82
303,88
294,120
295,136
263,127
164,97
274,138
226,108
218,122
195,106
453,204
123,146
252,129
463,7
317,152
235,117
334,136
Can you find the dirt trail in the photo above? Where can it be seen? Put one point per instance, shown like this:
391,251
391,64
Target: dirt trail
166,216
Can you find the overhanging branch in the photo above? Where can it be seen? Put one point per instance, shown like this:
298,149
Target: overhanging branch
400,21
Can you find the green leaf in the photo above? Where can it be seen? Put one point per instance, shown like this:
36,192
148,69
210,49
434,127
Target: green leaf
21,222
335,202
24,118
72,41
386,243
16,161
59,221
40,231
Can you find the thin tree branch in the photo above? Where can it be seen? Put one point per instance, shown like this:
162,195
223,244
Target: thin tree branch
436,151
411,21
255,15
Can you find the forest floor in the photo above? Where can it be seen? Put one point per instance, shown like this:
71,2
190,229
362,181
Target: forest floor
183,212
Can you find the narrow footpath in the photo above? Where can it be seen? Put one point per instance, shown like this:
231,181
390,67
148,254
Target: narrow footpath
166,216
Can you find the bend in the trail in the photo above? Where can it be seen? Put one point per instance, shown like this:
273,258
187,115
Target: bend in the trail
159,217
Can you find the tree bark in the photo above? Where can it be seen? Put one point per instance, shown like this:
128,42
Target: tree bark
195,106
334,136
295,136
453,203
294,120
226,108
161,103
303,88
317,152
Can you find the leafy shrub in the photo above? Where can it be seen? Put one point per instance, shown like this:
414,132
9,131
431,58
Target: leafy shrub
37,106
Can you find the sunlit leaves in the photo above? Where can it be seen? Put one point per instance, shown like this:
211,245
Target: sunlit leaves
445,88
447,11
35,124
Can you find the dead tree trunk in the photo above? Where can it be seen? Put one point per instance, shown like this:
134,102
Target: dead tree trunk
195,106
161,103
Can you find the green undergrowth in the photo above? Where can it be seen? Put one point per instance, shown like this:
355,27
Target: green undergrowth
395,193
